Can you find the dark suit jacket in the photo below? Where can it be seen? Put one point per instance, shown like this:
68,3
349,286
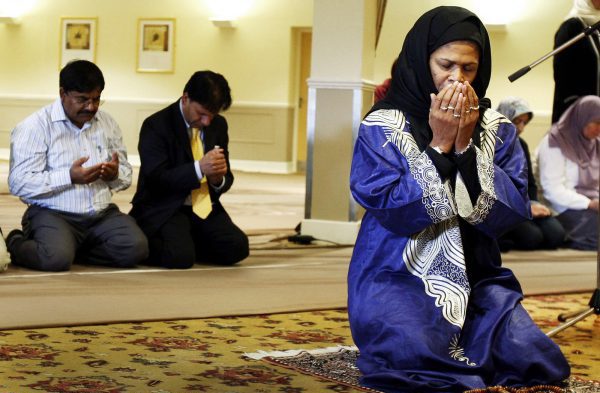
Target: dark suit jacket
167,174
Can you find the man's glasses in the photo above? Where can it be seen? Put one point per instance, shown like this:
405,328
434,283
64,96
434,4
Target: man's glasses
85,101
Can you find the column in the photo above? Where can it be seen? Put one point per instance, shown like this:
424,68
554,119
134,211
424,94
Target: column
340,93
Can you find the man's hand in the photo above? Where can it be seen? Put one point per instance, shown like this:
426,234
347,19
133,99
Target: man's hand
109,171
593,204
81,175
214,166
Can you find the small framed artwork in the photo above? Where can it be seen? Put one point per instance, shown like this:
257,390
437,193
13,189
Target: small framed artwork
156,45
77,39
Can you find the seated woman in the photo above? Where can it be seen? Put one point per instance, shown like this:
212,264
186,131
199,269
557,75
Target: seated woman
440,175
543,231
569,171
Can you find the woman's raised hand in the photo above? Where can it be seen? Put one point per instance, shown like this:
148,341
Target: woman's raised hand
469,115
445,114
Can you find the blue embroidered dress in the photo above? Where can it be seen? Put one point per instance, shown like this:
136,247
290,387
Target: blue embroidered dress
431,309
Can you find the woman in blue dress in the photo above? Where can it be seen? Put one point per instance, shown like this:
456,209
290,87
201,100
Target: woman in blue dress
440,176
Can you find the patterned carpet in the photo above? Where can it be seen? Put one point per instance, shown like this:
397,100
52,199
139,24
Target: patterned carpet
340,366
207,355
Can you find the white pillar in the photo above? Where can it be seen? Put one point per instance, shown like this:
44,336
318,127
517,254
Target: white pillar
340,93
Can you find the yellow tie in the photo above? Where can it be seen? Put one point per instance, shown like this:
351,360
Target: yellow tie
201,204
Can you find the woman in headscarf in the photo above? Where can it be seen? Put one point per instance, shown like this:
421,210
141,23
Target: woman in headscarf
569,171
440,176
543,231
577,68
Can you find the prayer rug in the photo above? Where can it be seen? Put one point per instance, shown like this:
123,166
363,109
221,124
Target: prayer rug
339,365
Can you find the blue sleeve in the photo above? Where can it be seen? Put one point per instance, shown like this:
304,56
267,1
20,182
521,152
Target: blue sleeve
396,183
503,201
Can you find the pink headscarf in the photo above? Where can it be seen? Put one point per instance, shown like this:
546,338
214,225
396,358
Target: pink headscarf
567,135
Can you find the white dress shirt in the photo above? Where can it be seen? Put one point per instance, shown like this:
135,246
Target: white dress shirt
558,178
43,148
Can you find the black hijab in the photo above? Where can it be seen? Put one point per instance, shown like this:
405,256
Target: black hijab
411,80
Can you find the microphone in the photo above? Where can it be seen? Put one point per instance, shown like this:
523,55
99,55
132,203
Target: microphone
587,31
516,75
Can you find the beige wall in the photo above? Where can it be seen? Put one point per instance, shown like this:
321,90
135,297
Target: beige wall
254,56
258,58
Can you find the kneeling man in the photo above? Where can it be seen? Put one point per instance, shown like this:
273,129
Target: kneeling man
66,160
184,170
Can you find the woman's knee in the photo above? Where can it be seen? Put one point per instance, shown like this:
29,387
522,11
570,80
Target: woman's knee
528,237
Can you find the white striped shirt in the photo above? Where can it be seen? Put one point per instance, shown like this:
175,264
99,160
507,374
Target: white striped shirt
44,146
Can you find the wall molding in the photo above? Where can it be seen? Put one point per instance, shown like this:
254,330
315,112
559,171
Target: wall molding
236,165
340,232
362,84
275,167
145,101
260,133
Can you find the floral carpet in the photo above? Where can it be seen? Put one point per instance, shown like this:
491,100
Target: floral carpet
207,355
339,365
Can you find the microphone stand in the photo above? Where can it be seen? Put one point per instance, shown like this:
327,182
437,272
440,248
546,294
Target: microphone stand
588,31
572,318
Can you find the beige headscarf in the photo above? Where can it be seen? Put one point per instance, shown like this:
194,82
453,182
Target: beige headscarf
585,10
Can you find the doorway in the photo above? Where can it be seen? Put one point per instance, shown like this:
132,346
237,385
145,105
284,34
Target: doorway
304,59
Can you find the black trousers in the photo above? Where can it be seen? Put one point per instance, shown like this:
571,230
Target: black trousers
581,227
539,233
186,239
54,240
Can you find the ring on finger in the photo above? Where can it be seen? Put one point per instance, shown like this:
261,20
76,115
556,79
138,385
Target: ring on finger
444,108
456,115
450,107
475,108
468,111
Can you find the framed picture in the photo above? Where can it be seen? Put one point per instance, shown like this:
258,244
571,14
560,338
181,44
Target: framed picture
156,45
77,39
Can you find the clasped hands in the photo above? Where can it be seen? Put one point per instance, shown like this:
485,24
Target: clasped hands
106,171
214,165
538,210
453,114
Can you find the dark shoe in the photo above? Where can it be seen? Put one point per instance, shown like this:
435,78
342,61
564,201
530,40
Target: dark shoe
14,238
